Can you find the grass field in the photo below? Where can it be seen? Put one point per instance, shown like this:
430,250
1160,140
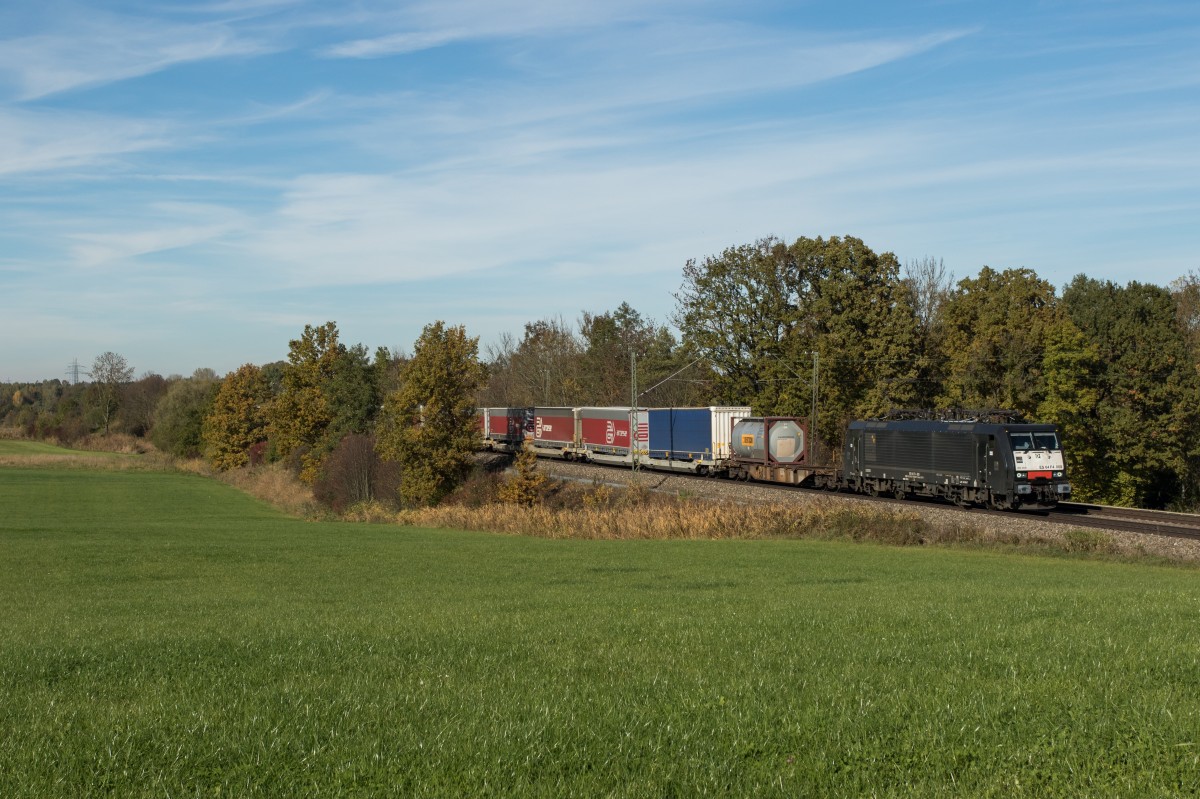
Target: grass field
14,452
164,635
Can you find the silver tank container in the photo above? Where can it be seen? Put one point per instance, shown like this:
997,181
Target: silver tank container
784,442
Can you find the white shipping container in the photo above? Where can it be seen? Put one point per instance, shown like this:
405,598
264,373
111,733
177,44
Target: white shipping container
723,420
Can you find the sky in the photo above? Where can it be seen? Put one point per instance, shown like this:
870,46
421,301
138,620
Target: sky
189,184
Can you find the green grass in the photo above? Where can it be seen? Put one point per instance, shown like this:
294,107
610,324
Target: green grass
163,635
22,447
21,452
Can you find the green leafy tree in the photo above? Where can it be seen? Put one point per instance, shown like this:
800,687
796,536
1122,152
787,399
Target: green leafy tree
1072,370
759,313
993,337
862,322
1148,410
179,415
237,419
429,426
736,310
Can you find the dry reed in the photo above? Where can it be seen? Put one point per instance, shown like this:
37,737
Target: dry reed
672,520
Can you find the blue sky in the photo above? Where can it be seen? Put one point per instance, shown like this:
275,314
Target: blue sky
189,184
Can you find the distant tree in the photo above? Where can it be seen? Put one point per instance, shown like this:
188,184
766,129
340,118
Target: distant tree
109,372
237,419
327,390
138,402
179,415
929,286
546,365
502,388
611,341
386,368
737,310
429,426
861,321
300,414
352,392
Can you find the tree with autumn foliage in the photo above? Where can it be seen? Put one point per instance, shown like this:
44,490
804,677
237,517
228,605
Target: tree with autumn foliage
327,391
525,487
428,426
237,419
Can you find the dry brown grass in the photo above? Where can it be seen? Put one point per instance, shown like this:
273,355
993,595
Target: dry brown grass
121,443
82,460
675,519
274,484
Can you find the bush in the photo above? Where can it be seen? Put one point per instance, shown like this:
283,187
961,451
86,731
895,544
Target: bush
482,488
526,486
354,474
1088,541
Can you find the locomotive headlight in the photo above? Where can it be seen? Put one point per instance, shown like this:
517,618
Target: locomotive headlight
1020,475
1058,474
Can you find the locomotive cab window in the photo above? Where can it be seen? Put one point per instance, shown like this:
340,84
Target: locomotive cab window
1046,441
1024,442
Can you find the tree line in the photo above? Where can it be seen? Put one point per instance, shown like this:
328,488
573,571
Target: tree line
769,324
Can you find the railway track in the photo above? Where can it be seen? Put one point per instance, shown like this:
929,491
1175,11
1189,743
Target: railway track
1131,520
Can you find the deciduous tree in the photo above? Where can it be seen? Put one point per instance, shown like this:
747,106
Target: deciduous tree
238,418
612,341
993,337
327,391
757,314
180,414
525,487
355,473
429,426
1148,409
109,372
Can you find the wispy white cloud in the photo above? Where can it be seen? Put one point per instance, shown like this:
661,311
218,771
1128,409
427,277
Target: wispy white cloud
96,48
40,141
165,227
425,25
573,157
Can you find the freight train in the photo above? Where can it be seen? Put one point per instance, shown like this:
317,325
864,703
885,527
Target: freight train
987,458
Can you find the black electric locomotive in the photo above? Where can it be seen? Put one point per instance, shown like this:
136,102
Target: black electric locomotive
996,464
